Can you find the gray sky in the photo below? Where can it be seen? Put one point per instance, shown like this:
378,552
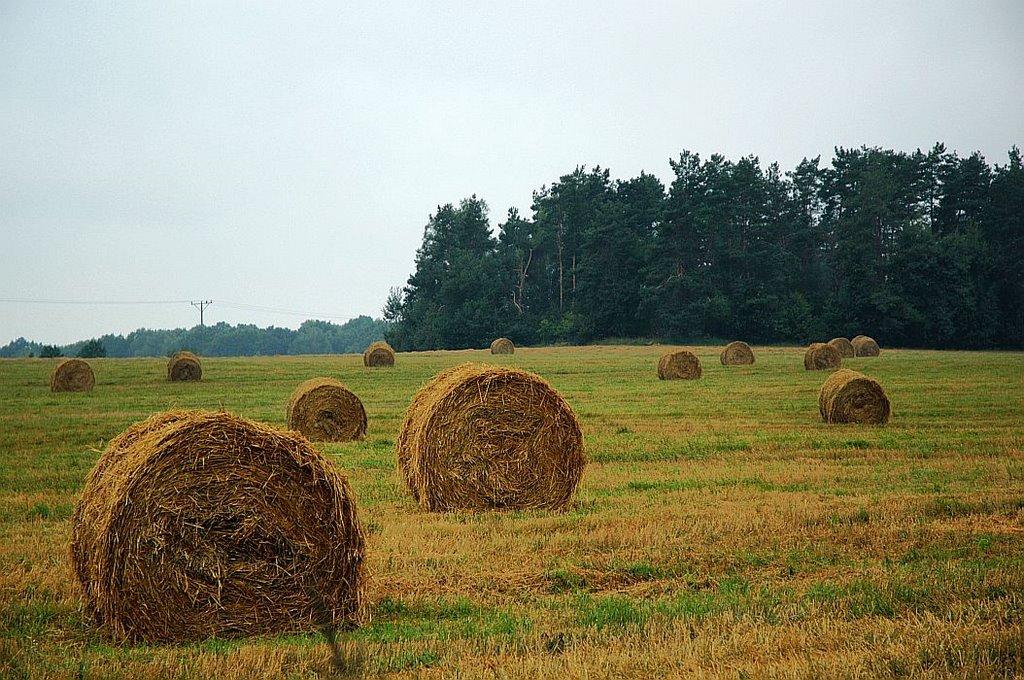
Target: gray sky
288,155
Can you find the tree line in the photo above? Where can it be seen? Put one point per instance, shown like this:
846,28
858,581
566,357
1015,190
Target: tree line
222,339
919,249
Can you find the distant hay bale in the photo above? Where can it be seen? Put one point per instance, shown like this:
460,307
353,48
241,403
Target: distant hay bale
184,366
851,397
195,524
503,346
379,353
679,365
737,353
821,356
483,436
324,410
72,375
843,346
863,346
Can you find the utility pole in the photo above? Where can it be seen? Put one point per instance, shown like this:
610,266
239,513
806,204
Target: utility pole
201,305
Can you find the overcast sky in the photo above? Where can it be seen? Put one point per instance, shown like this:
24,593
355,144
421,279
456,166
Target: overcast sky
288,155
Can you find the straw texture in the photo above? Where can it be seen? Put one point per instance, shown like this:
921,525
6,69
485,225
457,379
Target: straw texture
843,346
72,375
863,346
737,353
502,346
324,410
483,436
195,524
821,356
184,367
679,365
379,353
851,397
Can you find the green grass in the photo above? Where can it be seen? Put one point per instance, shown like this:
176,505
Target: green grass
720,526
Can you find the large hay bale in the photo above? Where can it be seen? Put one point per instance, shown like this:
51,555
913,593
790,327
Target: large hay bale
821,356
737,353
484,436
851,397
863,346
843,346
184,366
679,365
195,524
379,353
503,346
324,410
72,375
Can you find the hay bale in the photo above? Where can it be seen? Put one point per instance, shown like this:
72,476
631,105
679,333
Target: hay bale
863,346
737,353
821,356
184,366
72,375
843,346
324,410
503,346
484,436
851,397
379,353
195,524
679,365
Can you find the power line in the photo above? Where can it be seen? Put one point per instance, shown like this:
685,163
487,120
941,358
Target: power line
199,304
50,301
276,310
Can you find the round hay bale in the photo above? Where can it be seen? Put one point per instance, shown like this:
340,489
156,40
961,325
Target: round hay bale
863,346
503,346
195,524
324,410
379,353
72,375
737,353
483,436
679,365
821,356
851,397
843,346
184,366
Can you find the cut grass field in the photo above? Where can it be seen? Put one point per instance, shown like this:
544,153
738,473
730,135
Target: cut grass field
721,529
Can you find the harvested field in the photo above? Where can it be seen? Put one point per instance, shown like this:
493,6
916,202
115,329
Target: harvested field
720,527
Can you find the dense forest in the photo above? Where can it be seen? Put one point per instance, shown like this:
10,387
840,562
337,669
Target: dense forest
222,339
915,249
